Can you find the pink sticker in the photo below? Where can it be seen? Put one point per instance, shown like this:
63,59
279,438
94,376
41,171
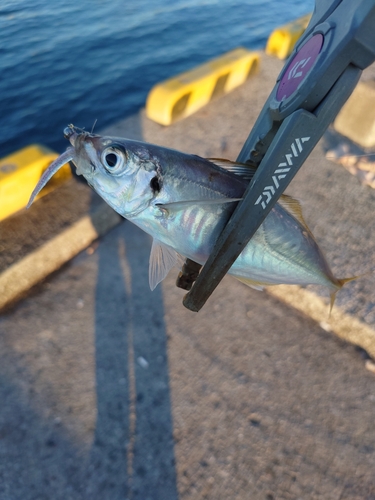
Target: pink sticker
299,66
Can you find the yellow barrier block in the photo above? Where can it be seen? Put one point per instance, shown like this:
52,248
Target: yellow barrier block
19,174
282,40
184,94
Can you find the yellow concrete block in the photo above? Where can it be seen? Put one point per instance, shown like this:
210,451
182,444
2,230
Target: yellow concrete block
19,174
282,40
184,94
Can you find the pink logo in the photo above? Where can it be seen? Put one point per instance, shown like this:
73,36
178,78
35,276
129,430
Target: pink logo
299,67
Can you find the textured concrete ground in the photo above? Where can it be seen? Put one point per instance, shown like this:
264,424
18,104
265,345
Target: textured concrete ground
110,391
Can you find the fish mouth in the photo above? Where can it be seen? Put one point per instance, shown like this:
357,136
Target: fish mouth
76,135
72,133
85,146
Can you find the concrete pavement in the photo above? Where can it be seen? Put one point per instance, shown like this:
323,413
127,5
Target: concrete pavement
110,391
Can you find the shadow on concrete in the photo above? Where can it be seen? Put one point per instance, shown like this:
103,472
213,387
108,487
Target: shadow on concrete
133,451
51,444
37,459
47,415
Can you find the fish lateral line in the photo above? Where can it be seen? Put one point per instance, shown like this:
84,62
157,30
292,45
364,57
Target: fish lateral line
180,205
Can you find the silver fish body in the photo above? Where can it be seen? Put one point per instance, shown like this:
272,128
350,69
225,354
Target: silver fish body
184,201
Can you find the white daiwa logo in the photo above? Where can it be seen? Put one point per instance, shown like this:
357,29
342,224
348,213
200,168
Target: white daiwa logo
281,171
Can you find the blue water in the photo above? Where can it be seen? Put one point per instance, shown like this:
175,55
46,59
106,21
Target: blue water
77,61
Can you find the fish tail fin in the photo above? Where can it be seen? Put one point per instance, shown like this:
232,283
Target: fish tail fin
332,301
340,282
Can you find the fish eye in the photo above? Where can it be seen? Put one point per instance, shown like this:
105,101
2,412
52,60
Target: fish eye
113,159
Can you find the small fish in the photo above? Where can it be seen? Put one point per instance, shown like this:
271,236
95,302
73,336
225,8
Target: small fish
184,201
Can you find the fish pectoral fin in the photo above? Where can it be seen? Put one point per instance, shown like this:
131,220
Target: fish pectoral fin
257,285
181,205
293,206
241,169
162,259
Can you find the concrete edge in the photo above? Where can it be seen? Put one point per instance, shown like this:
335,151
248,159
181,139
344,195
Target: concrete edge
36,266
339,322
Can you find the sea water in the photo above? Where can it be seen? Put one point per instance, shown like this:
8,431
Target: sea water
77,62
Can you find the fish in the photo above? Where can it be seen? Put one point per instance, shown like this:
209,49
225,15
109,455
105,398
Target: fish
184,201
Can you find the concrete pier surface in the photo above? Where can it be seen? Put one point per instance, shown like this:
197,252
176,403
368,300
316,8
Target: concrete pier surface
110,391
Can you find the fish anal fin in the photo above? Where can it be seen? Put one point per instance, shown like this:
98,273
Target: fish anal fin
257,285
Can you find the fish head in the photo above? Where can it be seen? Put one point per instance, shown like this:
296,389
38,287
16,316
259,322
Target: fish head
119,170
116,169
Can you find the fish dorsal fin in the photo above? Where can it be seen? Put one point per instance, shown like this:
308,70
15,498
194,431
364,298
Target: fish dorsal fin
241,169
162,259
181,205
293,206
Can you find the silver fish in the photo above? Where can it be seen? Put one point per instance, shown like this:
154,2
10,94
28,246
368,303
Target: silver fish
184,201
